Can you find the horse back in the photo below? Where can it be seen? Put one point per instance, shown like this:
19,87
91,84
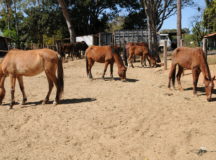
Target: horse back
28,63
138,50
100,53
188,57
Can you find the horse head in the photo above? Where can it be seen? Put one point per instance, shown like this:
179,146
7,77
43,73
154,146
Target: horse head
153,61
209,86
122,73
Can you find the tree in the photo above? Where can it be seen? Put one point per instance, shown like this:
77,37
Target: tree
68,20
157,11
135,20
198,30
209,18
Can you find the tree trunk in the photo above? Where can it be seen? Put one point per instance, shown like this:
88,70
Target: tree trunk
68,21
152,29
179,37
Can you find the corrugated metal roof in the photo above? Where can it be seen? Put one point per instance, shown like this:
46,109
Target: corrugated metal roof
210,35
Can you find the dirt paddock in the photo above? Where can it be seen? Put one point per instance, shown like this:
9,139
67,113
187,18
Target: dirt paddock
108,119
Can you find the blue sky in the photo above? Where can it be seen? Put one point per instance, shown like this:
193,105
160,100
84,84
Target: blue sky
187,14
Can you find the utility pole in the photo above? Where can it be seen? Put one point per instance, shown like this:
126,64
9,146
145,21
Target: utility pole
179,34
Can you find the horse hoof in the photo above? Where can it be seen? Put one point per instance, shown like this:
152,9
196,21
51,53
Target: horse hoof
55,103
11,107
45,102
24,101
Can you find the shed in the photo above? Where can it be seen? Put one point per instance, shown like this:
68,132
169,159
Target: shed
211,41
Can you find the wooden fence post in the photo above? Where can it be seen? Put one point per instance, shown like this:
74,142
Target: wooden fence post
125,54
205,46
165,55
181,43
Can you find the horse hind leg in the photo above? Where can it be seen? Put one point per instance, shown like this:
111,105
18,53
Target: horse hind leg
180,71
90,64
50,70
13,83
50,83
20,80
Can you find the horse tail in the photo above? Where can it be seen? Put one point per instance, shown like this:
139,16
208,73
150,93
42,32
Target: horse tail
60,73
174,76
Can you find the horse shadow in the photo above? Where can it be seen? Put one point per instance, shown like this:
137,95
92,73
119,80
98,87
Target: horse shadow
77,100
127,80
63,101
116,79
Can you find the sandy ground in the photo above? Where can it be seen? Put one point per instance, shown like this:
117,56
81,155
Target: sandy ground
108,119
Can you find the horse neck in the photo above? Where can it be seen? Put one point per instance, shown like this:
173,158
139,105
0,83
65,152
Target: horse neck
204,67
118,60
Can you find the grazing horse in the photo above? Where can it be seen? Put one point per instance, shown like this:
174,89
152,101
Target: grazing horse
143,52
107,55
19,63
194,59
129,44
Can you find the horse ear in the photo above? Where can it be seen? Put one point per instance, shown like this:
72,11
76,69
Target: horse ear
213,78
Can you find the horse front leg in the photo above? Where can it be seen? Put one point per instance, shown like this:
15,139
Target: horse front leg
111,70
13,83
21,84
142,60
195,73
130,60
105,69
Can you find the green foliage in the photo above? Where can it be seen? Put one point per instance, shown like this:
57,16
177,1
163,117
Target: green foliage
189,40
135,20
174,31
209,16
198,32
10,34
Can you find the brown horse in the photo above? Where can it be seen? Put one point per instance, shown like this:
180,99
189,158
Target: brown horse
129,44
143,52
73,49
144,44
19,63
194,59
107,55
